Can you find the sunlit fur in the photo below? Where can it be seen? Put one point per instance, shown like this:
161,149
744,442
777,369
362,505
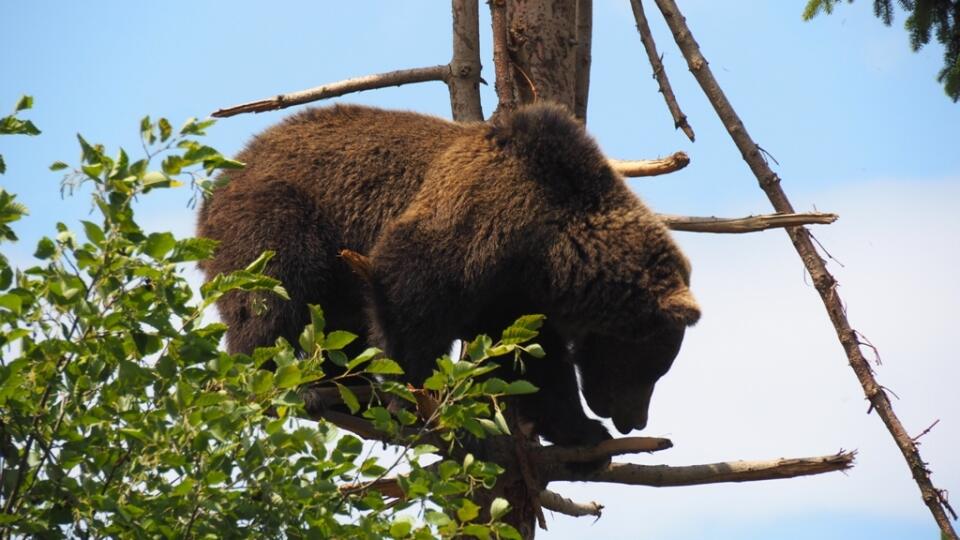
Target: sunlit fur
468,226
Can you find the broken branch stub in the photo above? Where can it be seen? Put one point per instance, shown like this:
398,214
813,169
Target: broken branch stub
650,167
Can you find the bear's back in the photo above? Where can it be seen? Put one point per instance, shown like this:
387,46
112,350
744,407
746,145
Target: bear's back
359,166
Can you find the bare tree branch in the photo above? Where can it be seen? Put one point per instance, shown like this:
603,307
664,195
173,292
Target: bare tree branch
733,471
824,282
650,167
356,425
558,503
606,449
388,487
583,60
464,80
358,84
646,37
745,224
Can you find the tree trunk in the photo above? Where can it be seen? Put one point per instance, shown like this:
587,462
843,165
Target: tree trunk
537,58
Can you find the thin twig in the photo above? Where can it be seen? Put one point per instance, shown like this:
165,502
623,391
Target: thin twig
659,73
822,279
924,432
358,84
745,224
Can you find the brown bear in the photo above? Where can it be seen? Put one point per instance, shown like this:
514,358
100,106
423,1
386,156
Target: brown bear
468,226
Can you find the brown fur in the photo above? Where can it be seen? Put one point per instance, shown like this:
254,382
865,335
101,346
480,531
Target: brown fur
467,226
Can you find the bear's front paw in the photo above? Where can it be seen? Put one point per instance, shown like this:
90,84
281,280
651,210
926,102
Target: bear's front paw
585,434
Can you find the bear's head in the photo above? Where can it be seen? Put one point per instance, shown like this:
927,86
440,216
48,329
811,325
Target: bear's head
611,275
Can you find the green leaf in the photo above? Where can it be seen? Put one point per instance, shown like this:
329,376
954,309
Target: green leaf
159,244
437,519
520,387
499,508
506,532
468,510
183,488
90,154
262,382
400,529
58,166
94,232
24,103
478,531
12,302
3,166
260,263
45,248
384,366
288,376
535,350
193,249
349,398
501,422
338,339
523,329
363,357
165,129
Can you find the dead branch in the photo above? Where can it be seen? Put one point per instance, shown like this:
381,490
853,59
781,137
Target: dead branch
581,86
502,63
822,279
733,471
659,73
388,487
552,500
464,80
650,167
356,425
606,449
745,224
358,84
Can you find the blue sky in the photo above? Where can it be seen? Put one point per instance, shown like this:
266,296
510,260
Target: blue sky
856,121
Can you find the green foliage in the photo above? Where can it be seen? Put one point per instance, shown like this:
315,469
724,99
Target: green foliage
120,416
11,125
925,17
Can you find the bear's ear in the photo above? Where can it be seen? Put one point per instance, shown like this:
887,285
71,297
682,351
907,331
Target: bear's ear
680,306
